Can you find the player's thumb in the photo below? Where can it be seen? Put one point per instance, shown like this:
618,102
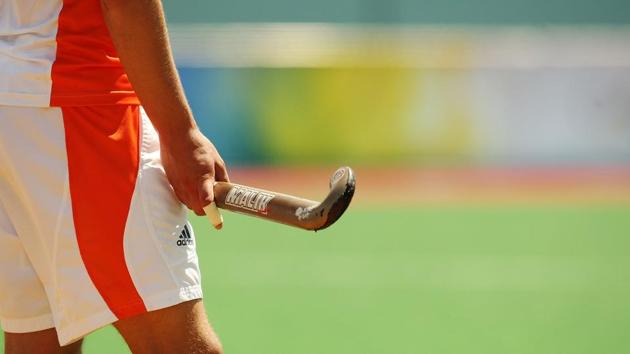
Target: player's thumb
206,192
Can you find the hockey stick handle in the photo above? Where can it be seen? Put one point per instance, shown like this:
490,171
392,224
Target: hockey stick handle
265,204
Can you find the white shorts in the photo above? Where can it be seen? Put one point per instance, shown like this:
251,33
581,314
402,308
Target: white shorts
90,229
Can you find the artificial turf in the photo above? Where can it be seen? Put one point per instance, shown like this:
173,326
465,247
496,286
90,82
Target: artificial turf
441,279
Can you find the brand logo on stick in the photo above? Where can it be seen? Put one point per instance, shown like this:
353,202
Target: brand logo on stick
249,198
304,213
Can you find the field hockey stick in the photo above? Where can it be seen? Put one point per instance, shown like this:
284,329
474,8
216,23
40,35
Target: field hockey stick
302,213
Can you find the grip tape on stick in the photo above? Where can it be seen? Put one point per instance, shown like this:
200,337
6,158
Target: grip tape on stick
214,215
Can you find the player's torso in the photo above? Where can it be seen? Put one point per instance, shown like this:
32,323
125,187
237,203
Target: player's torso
58,53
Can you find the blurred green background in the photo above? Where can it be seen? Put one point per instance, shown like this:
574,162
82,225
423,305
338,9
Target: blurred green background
534,258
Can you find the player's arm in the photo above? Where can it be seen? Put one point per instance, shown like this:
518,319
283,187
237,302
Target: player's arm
192,163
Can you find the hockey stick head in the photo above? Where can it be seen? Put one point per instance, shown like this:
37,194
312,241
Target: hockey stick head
342,185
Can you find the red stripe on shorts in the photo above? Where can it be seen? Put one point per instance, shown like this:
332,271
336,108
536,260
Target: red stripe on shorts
103,151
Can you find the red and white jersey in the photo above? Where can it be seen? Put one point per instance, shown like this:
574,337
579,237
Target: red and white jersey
59,53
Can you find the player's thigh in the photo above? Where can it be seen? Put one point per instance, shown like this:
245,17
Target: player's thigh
183,328
41,342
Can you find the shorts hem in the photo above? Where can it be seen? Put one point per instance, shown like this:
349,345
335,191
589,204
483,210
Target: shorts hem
81,328
27,325
170,298
162,300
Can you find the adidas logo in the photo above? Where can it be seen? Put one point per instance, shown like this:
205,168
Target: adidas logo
185,239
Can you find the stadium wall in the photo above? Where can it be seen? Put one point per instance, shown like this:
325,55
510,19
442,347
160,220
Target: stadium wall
453,12
340,93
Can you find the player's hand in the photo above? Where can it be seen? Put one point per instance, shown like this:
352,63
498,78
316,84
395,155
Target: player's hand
192,165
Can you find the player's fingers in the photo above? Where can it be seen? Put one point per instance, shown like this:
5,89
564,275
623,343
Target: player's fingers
206,192
220,172
196,205
193,204
180,197
188,198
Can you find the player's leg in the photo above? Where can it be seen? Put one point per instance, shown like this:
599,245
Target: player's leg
41,342
182,328
25,314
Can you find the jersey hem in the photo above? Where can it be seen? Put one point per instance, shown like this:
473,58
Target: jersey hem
110,98
24,99
45,100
